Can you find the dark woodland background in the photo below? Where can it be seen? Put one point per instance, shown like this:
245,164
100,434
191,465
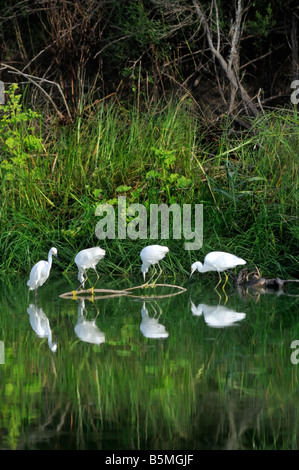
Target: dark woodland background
233,58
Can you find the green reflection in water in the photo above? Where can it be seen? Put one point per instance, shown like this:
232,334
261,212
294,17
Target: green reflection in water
162,374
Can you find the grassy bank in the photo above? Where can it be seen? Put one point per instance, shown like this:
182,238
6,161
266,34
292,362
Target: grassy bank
54,176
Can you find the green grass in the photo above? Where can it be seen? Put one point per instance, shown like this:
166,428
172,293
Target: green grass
247,183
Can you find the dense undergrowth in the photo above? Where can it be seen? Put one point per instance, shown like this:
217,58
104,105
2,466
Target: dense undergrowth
54,176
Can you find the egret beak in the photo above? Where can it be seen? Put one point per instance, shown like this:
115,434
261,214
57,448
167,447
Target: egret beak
191,273
143,276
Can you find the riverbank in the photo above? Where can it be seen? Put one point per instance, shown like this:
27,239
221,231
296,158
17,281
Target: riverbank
54,176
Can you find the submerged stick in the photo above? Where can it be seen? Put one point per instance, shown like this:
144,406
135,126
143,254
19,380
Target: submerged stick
118,293
144,286
80,293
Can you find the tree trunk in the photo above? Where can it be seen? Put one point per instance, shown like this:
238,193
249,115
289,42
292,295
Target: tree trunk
231,65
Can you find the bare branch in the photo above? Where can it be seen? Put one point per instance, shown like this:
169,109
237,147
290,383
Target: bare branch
214,51
35,80
236,36
229,67
217,25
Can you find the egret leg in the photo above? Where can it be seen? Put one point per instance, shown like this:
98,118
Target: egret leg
92,288
153,308
92,293
226,279
98,312
160,272
160,311
82,284
223,287
84,280
98,277
147,283
219,281
219,295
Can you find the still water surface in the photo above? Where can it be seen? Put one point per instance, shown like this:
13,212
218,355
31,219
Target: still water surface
187,372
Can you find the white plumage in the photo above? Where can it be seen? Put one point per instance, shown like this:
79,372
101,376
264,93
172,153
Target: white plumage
40,324
217,316
151,255
150,327
40,271
86,259
86,330
217,261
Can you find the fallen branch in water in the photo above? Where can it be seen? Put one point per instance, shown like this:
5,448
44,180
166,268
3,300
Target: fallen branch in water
81,294
152,286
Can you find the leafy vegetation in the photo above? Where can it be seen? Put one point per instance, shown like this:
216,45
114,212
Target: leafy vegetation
158,102
146,49
248,184
137,99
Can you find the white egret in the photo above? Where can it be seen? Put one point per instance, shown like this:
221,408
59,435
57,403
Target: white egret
150,256
40,324
40,272
217,261
217,316
150,327
86,259
86,330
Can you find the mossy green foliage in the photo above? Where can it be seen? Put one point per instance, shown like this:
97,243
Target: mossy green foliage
53,177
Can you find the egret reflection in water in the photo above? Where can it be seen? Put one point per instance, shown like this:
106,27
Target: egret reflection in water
217,316
150,326
86,330
40,324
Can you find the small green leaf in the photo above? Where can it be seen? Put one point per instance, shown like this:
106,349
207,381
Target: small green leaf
152,174
183,182
97,192
123,188
33,143
10,142
112,202
173,177
170,160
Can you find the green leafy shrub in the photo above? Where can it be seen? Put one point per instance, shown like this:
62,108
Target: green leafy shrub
17,137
